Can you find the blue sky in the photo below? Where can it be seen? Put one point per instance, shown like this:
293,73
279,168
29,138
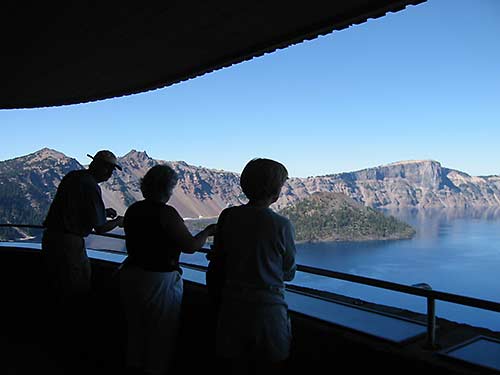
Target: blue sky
423,83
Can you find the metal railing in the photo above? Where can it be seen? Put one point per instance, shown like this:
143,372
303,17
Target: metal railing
36,226
422,290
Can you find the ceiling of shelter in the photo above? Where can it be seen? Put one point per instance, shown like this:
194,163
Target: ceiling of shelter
58,53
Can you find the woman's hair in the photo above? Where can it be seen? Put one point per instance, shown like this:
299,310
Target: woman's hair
262,178
158,182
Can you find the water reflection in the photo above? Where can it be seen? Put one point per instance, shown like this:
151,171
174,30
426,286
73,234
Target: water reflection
444,214
454,250
435,222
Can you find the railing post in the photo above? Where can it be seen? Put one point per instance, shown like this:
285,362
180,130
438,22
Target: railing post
431,318
431,323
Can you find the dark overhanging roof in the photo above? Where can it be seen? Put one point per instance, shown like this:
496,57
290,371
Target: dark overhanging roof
59,53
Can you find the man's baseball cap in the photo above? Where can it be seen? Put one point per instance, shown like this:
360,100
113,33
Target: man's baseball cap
106,156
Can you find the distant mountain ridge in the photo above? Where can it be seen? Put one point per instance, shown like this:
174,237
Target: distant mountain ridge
28,183
409,184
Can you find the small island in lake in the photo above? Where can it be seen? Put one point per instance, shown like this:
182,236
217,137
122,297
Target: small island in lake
326,216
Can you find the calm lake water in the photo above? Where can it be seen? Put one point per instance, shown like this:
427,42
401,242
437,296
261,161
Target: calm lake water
453,251
456,251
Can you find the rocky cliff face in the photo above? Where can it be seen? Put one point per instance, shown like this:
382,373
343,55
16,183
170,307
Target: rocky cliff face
199,192
28,183
415,184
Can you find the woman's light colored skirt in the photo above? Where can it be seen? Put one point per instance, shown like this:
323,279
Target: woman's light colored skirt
152,305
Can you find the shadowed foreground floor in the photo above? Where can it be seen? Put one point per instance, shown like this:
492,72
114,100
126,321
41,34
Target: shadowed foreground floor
30,341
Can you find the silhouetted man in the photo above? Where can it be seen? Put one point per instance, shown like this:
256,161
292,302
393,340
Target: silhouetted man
76,210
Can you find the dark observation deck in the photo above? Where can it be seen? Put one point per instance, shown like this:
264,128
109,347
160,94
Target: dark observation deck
330,331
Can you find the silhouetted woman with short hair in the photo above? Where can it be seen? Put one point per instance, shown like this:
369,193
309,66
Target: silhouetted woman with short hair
151,285
257,249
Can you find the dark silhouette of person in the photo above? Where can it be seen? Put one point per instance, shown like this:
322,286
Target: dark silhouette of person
151,284
75,211
255,248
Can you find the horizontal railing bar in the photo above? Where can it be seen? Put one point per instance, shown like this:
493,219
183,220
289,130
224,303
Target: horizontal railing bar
36,226
196,267
111,235
443,296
